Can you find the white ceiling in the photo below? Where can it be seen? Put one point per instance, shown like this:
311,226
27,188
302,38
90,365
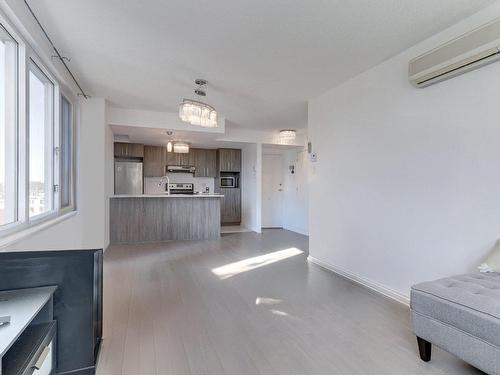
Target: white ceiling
263,59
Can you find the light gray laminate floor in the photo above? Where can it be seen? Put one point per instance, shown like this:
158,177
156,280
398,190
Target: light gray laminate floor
249,304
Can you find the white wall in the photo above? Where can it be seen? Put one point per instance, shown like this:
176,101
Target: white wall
109,175
89,227
268,137
251,190
92,182
296,192
406,184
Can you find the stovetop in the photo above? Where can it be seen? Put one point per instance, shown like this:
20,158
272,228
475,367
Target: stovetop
181,188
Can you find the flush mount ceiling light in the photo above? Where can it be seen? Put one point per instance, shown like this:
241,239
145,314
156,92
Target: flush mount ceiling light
181,148
198,113
287,135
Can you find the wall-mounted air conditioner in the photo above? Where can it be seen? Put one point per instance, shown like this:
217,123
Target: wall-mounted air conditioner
467,52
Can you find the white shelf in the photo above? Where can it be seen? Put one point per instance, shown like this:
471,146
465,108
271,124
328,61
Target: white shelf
22,305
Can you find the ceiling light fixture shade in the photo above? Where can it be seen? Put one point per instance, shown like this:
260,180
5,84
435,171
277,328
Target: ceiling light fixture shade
169,146
198,113
181,148
287,135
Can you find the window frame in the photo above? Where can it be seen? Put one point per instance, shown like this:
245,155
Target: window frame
26,55
13,225
72,188
35,66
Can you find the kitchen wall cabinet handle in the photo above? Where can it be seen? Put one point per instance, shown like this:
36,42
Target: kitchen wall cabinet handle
39,363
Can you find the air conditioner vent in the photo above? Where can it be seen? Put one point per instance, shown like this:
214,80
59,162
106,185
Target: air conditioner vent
470,51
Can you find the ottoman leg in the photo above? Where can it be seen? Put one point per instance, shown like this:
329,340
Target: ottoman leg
425,348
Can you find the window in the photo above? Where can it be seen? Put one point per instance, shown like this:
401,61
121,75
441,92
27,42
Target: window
8,128
40,135
66,152
36,150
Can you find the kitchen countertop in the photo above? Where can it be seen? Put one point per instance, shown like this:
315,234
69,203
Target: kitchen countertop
138,218
168,196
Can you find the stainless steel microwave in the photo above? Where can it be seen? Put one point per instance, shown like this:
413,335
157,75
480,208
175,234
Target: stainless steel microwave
227,182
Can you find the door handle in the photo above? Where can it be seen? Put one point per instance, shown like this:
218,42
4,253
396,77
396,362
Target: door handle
39,363
280,189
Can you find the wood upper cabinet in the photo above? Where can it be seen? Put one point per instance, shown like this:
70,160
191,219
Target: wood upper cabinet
211,163
128,150
185,159
173,158
229,160
205,162
155,160
199,162
230,210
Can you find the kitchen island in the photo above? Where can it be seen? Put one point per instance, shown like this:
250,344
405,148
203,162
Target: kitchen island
163,217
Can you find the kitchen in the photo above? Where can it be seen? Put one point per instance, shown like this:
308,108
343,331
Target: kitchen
173,192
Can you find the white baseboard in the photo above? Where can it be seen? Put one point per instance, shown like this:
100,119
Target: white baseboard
376,287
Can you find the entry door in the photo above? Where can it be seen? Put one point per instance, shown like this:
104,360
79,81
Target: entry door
272,191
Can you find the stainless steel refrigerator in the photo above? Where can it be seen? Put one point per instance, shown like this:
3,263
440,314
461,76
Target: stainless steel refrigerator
128,177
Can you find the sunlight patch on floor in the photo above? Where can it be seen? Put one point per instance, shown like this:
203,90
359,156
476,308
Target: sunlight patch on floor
267,301
249,264
279,312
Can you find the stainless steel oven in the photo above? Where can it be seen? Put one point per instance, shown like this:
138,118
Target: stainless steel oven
181,188
227,182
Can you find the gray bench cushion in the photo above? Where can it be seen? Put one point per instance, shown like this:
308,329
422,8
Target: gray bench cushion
470,303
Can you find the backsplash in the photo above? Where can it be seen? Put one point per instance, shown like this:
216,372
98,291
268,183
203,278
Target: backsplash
151,183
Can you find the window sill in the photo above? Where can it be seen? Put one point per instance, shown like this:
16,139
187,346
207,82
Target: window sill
29,231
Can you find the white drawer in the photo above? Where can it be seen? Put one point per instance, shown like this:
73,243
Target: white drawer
44,363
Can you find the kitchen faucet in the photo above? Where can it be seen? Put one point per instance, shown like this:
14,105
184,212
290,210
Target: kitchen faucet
162,181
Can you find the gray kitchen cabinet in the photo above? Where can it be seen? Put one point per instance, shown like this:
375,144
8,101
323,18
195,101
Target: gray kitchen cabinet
191,158
211,163
173,158
205,162
154,161
230,206
199,162
120,149
229,160
185,159
128,150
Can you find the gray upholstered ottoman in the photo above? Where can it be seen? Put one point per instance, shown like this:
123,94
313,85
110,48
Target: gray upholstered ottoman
461,315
